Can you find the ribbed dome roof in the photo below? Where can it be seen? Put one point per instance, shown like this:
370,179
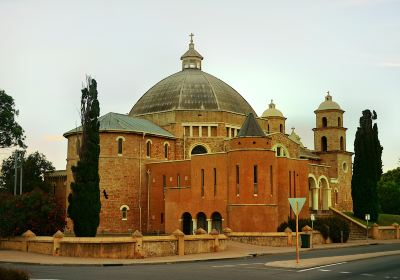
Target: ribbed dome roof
191,89
328,104
272,111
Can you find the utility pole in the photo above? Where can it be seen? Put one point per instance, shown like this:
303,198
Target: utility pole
16,158
16,173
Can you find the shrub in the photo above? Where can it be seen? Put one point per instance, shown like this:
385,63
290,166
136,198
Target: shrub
328,227
35,211
13,274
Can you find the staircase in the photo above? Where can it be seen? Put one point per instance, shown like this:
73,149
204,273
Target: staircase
358,231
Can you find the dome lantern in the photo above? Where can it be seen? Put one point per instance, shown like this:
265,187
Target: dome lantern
191,59
329,104
272,111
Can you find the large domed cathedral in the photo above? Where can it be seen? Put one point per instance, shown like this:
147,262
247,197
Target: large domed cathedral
192,153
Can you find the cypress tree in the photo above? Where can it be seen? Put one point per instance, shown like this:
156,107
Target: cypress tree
367,168
84,199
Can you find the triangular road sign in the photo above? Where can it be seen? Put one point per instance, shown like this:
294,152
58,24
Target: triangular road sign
299,201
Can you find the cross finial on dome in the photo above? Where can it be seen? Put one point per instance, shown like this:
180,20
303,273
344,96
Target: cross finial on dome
328,97
191,37
271,105
293,128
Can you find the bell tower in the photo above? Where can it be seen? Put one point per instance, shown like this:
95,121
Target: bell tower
330,146
329,133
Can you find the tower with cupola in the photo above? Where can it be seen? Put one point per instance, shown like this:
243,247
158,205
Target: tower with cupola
330,145
275,119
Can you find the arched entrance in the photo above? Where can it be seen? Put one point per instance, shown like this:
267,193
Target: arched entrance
312,193
187,223
325,193
199,149
202,221
216,221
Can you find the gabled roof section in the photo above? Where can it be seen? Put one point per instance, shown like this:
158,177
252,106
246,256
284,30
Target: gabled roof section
250,127
306,153
125,123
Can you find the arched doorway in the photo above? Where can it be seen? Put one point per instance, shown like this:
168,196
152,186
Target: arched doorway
216,221
198,149
187,223
325,193
312,193
202,221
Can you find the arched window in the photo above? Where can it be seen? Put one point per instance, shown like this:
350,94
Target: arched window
166,150
202,221
187,224
148,148
120,146
78,145
280,150
124,212
339,122
341,143
324,122
281,128
199,149
324,144
216,222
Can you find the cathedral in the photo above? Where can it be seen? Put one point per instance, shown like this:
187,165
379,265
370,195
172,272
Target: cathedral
192,153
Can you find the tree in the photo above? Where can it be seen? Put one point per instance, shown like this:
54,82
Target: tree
84,199
389,192
11,133
36,211
34,168
367,168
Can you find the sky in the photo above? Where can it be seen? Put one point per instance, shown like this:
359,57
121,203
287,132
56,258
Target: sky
290,51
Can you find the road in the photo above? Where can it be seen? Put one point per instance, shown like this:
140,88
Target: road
387,267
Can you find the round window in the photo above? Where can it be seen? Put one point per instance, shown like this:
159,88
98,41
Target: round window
345,167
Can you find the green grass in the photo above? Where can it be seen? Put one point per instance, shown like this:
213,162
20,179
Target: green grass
383,220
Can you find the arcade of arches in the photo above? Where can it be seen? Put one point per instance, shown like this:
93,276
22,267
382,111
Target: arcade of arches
319,195
190,224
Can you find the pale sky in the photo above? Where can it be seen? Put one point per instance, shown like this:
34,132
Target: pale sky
288,51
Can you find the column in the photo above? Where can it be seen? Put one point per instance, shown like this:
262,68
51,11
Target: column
191,131
209,131
209,225
194,225
200,131
314,198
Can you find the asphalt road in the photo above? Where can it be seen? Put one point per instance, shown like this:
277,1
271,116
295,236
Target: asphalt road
251,268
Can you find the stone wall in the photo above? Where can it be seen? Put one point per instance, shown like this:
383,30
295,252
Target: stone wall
135,246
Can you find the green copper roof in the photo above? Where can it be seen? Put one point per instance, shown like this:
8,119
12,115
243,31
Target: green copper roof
125,123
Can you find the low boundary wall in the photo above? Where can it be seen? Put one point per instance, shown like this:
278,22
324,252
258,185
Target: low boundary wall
135,246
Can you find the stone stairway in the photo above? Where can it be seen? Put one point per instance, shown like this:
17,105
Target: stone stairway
358,231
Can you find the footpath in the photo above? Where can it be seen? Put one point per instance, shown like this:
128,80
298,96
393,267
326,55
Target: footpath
234,250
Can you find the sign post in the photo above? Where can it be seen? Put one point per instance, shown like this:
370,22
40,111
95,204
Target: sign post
296,204
367,217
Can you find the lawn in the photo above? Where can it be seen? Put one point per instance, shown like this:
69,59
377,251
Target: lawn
383,220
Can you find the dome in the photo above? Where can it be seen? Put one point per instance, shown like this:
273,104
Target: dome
328,104
191,89
272,111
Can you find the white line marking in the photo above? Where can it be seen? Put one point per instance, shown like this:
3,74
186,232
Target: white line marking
227,265
325,270
317,267
344,272
366,274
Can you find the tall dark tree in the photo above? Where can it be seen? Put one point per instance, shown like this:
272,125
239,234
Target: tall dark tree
367,169
34,168
84,199
11,133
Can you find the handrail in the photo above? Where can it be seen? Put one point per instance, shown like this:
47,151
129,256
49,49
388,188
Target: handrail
348,218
